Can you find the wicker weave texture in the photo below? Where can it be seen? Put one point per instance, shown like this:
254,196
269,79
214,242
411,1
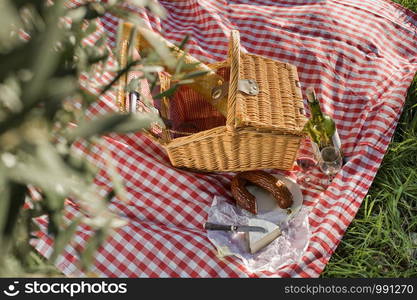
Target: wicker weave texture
262,131
219,150
278,106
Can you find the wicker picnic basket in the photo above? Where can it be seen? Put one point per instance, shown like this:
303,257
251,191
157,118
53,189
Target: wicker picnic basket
262,130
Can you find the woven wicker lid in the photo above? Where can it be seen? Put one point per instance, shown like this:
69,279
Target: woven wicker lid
277,102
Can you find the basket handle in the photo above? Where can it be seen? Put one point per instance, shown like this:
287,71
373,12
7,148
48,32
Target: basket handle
234,61
123,36
124,40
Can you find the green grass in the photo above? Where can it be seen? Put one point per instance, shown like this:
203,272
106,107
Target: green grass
382,239
410,4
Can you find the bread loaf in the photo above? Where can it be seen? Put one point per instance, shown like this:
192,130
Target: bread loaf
264,180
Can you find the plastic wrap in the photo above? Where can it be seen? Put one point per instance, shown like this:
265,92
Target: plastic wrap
285,249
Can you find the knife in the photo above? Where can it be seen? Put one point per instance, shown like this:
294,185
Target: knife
223,227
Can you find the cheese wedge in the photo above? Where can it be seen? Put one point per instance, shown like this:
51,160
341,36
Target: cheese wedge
259,240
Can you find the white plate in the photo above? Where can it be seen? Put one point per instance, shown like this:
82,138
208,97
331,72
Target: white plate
267,206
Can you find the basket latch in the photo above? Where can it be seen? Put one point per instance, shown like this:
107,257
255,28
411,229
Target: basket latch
247,86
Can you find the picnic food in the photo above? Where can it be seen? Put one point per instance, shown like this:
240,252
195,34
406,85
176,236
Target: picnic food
320,127
258,240
264,180
243,198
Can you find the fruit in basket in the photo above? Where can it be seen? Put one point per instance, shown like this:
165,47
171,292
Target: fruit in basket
264,180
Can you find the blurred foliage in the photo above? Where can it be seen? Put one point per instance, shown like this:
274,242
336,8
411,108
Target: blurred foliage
42,54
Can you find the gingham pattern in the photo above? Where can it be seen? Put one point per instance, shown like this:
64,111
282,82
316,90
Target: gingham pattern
360,55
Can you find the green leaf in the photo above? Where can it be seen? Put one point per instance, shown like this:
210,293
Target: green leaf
168,93
100,126
97,59
133,85
45,58
116,178
16,201
87,97
159,45
54,201
195,74
10,93
157,9
185,81
79,164
180,64
117,123
77,15
154,82
93,11
110,195
4,199
184,42
17,59
63,238
61,87
137,122
119,74
94,242
190,67
54,221
9,20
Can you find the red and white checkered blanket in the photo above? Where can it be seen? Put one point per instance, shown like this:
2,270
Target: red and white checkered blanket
360,55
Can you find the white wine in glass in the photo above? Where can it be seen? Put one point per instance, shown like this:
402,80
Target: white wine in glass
331,161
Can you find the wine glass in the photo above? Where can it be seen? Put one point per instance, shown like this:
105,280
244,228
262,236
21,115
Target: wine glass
330,162
306,164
